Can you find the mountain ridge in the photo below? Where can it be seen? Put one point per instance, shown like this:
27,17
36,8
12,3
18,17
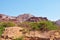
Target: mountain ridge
20,18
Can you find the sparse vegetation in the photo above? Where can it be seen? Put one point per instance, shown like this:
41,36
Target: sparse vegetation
31,27
47,25
21,38
1,30
7,24
43,25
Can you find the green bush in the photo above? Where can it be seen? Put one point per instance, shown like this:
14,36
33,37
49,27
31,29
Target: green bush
21,38
48,25
7,24
34,25
42,25
1,30
10,24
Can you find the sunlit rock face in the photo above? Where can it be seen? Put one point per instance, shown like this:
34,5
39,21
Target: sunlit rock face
20,18
6,18
24,17
12,32
3,16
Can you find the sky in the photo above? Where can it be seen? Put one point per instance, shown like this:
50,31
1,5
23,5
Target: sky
40,8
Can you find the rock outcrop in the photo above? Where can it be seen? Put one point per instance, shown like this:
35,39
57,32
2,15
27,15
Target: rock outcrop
24,17
16,32
37,19
6,18
20,18
12,32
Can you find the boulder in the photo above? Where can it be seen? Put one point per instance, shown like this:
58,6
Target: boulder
12,32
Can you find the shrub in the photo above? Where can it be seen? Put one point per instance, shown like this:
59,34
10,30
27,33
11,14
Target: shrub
42,25
1,30
10,24
34,25
21,38
7,24
48,25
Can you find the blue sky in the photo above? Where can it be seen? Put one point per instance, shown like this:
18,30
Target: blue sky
44,8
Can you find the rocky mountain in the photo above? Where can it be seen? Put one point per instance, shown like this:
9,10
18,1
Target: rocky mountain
4,17
29,31
24,17
37,19
21,18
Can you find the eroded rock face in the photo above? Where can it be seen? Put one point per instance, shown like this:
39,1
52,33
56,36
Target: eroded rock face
35,38
6,18
20,18
12,32
37,19
50,35
54,34
24,17
16,32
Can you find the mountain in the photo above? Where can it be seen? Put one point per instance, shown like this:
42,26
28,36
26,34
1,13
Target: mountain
32,28
4,17
37,19
20,18
24,17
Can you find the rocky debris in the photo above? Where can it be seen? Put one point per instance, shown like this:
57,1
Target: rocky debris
37,19
5,39
35,38
37,34
16,32
50,35
12,32
54,34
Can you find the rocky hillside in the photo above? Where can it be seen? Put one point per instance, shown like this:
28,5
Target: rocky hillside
28,27
11,33
24,17
6,17
37,19
21,18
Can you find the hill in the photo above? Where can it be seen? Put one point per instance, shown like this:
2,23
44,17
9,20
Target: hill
28,27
